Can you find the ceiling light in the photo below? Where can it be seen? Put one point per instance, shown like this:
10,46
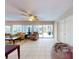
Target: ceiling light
32,18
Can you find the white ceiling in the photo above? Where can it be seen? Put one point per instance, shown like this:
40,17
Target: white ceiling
46,10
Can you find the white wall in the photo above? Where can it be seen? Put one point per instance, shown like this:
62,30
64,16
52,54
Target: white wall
65,30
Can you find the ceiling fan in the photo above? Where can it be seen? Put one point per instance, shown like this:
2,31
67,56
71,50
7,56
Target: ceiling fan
27,13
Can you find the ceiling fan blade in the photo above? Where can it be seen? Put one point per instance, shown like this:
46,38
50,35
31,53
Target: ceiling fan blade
25,12
20,9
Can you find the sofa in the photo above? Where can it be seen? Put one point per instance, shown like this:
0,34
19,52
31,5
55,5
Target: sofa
34,36
62,51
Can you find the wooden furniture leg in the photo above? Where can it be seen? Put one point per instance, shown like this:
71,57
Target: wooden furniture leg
6,56
18,50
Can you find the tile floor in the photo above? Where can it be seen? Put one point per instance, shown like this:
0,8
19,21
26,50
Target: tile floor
40,49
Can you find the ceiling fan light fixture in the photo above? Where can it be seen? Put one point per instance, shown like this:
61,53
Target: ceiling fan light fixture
32,18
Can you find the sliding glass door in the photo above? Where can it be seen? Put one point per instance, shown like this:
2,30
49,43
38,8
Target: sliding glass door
43,30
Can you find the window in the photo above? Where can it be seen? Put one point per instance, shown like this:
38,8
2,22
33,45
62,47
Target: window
16,28
7,29
43,30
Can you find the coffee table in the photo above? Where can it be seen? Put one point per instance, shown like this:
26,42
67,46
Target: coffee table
10,48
